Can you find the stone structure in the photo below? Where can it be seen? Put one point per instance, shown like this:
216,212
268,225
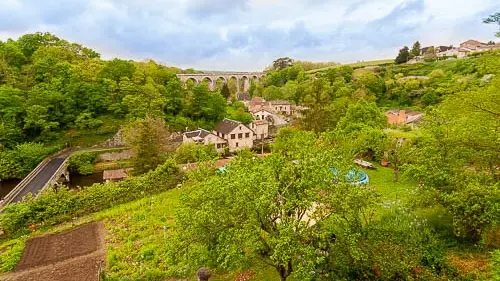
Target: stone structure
238,135
204,137
212,78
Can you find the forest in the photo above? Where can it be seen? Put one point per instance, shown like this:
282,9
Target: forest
433,214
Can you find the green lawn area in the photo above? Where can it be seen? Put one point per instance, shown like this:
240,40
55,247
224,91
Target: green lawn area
355,65
382,179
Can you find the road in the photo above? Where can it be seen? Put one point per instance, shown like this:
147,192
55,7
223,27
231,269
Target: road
39,181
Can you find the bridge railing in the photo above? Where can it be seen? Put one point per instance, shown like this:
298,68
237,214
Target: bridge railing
20,186
54,177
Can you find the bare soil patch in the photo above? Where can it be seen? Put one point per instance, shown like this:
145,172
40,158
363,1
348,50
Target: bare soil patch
67,256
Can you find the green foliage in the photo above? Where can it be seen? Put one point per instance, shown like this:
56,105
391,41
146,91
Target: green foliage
403,56
11,253
150,140
17,163
82,163
191,153
495,18
56,206
496,265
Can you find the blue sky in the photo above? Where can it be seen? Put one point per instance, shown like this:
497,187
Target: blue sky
246,35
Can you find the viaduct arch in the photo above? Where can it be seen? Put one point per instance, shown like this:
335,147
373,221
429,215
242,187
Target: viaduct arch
212,78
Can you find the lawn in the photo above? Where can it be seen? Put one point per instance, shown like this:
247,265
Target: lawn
382,179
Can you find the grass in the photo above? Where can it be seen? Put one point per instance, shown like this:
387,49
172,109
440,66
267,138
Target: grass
382,179
355,65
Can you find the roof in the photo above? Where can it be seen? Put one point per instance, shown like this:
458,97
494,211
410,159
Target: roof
114,174
227,125
413,118
245,97
443,48
273,102
475,42
255,110
201,133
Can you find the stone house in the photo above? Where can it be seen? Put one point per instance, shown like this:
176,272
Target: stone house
473,45
403,117
261,129
204,137
238,135
281,106
272,118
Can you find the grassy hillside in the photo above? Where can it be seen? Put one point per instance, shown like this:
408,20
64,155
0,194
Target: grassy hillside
356,65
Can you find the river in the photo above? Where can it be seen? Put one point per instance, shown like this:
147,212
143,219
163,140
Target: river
6,186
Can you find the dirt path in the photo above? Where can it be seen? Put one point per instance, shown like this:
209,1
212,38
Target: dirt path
72,255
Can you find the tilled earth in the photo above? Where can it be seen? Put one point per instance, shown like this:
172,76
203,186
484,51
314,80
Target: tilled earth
73,255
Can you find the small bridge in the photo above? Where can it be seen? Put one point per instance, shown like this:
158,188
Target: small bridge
213,77
46,174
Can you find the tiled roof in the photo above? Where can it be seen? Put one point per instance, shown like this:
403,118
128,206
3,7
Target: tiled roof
245,97
114,174
226,126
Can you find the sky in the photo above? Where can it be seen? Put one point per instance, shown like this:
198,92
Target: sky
247,35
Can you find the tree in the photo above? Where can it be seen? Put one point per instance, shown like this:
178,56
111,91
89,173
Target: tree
150,140
495,18
274,209
415,50
403,55
225,91
282,63
430,54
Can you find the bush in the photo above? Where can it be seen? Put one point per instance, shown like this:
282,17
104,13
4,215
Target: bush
11,254
495,264
19,162
56,206
191,152
82,163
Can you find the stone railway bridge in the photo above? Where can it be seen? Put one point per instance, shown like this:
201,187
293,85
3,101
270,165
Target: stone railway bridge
212,78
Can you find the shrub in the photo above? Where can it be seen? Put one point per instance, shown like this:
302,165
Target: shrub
495,264
190,153
56,206
82,163
10,257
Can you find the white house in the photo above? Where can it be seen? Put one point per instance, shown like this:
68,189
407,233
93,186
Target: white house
204,137
237,134
274,120
261,129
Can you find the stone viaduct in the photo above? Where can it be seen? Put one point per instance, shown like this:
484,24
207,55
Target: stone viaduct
212,78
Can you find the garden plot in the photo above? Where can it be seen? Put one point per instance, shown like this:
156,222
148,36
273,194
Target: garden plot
70,255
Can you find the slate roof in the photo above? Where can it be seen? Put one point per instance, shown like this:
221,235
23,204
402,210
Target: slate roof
245,97
201,133
226,126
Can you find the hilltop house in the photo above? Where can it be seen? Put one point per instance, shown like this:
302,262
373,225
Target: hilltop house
204,137
237,134
403,117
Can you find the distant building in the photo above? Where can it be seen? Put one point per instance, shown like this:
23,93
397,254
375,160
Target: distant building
472,45
237,134
204,137
273,119
403,117
281,106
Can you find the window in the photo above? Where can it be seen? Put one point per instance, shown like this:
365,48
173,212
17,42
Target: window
219,145
236,144
240,136
247,135
233,136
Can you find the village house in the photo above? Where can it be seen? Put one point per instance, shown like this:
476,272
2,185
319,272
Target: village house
272,118
238,135
281,106
204,137
403,117
261,129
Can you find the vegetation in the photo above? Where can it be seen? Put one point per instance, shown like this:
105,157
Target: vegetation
290,215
